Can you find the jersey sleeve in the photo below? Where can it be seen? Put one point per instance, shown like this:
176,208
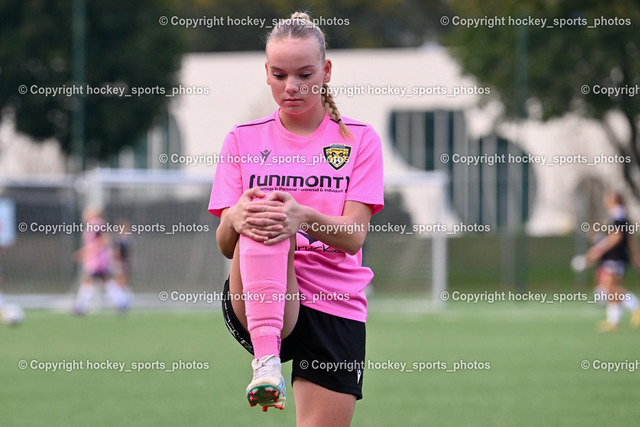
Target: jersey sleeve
366,184
227,183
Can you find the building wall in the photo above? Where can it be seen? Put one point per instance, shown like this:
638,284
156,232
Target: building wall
239,93
236,92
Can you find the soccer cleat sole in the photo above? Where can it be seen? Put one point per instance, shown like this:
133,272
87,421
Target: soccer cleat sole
266,396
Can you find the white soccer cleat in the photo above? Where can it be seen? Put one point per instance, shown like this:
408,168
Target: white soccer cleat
268,387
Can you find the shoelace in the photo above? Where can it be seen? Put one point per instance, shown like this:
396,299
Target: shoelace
266,369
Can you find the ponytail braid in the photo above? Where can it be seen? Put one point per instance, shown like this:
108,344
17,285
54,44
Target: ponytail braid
330,105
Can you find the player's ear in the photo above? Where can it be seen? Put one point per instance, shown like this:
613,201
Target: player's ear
326,70
266,68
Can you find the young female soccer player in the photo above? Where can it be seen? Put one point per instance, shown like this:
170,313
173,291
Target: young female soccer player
96,258
299,295
614,252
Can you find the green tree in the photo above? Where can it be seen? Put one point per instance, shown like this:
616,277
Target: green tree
347,23
560,62
125,46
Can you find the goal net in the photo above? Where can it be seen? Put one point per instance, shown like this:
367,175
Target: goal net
172,237
406,246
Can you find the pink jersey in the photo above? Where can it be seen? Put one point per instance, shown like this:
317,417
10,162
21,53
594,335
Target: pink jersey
321,170
97,256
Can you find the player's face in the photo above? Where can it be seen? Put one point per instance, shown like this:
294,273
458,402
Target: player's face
296,72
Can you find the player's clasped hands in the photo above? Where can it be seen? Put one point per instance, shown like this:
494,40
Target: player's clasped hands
268,218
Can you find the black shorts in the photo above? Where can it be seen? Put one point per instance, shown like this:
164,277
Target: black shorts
614,266
100,274
325,349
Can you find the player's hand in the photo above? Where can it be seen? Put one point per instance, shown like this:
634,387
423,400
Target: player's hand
579,263
254,212
283,228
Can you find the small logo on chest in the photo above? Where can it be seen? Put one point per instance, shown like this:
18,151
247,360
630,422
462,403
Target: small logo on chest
337,155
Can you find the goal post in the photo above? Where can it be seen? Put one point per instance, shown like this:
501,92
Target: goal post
406,246
173,236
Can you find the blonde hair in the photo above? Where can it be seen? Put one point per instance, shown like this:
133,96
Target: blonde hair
300,26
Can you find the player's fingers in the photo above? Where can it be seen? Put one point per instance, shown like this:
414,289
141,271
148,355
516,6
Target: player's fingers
265,223
271,216
279,238
255,192
264,206
274,216
250,233
267,235
266,201
263,232
278,195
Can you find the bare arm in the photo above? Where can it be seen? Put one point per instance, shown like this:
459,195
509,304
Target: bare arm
226,235
633,251
599,249
233,220
345,232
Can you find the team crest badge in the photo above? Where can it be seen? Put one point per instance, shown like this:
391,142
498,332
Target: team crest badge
337,155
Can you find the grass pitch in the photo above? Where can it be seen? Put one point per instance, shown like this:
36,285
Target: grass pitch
532,355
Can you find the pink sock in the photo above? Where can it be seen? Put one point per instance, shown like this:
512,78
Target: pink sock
264,280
